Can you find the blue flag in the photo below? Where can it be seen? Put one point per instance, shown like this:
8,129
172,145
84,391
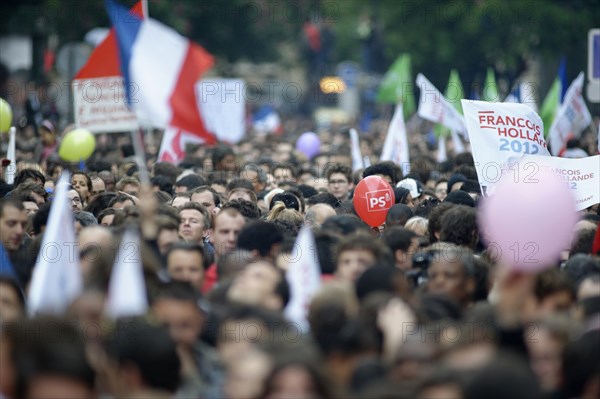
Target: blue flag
562,75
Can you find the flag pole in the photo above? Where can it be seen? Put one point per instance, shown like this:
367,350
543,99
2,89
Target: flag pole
140,155
136,135
11,169
145,8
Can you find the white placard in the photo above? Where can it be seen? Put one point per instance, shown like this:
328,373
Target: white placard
100,105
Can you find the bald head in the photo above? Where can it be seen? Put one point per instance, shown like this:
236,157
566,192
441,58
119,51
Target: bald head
99,235
95,243
318,213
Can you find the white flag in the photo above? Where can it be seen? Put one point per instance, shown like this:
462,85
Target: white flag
435,108
172,146
571,119
223,108
304,278
395,147
357,158
500,133
57,279
11,169
366,161
442,156
456,142
127,288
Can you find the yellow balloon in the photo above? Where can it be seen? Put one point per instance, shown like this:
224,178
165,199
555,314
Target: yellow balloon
77,145
5,116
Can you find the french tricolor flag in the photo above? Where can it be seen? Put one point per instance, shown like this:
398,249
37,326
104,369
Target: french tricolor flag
160,69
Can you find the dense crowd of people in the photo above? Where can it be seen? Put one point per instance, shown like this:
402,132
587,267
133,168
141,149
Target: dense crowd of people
416,307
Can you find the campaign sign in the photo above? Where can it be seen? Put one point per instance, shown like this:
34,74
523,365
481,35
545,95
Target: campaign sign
100,105
581,175
500,133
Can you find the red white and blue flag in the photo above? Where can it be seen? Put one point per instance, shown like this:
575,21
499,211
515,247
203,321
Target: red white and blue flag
160,69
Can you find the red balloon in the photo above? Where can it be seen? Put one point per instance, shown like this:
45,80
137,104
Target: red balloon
373,197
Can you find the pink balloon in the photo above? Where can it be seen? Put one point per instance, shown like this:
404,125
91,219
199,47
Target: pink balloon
528,223
309,144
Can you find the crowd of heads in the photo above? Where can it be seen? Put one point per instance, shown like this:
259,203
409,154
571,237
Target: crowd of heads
416,307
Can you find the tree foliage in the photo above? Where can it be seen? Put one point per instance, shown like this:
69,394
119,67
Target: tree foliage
469,35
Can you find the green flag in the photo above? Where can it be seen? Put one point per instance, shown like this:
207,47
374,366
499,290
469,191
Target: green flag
550,105
454,93
490,87
397,86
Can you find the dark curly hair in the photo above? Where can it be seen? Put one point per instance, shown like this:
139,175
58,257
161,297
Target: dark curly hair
248,209
459,226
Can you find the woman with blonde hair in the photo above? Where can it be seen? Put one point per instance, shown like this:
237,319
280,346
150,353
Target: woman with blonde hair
279,212
417,224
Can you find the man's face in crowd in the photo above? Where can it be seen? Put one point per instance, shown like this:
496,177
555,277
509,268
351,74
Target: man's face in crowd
98,186
282,174
131,189
206,199
108,179
404,259
306,178
182,318
12,227
339,186
448,276
247,368
282,152
559,301
165,238
75,200
441,190
410,201
545,353
187,266
252,175
255,285
31,207
227,163
226,230
192,226
352,263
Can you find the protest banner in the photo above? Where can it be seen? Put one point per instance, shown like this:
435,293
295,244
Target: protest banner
100,105
581,175
499,133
